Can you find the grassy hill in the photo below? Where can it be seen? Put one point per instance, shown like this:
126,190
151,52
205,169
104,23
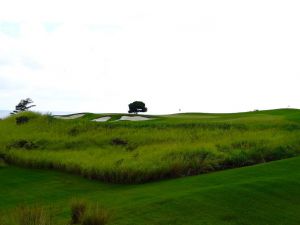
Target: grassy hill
140,151
265,194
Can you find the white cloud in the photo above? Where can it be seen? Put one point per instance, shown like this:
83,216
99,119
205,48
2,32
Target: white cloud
197,56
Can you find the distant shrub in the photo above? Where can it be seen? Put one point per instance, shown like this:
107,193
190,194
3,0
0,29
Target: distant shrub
73,131
35,215
22,119
136,107
119,141
96,216
78,208
23,144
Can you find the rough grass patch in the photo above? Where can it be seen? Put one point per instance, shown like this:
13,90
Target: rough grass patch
96,216
35,215
142,152
78,209
22,144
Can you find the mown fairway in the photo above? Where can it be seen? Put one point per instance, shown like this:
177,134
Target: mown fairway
256,195
142,151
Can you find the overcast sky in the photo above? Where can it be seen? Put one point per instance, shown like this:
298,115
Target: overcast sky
200,56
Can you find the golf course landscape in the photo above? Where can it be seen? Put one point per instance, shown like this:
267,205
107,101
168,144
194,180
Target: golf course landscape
189,168
149,112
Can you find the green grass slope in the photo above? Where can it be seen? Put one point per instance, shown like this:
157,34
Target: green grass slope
266,194
141,151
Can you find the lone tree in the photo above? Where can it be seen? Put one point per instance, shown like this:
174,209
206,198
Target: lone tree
24,105
136,107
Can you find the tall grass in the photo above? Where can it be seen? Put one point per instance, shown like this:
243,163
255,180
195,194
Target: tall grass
86,214
96,216
78,209
137,152
82,213
33,215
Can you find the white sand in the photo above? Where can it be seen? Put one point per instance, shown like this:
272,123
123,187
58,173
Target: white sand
71,117
102,119
134,118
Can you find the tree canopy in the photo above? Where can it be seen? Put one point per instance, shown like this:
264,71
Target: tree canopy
136,107
24,105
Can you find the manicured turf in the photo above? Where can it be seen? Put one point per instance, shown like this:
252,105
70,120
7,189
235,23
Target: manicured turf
265,194
164,147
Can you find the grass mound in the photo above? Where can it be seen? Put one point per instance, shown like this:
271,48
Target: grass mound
137,152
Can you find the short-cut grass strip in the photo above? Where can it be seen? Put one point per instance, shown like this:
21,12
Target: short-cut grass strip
261,194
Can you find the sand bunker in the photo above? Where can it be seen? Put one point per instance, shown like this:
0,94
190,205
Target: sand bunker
134,118
102,119
71,117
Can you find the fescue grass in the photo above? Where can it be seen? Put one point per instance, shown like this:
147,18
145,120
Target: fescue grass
165,147
96,216
78,209
28,215
81,214
256,195
35,215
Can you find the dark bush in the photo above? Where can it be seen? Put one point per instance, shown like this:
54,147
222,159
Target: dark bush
78,208
136,107
119,141
23,144
21,120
